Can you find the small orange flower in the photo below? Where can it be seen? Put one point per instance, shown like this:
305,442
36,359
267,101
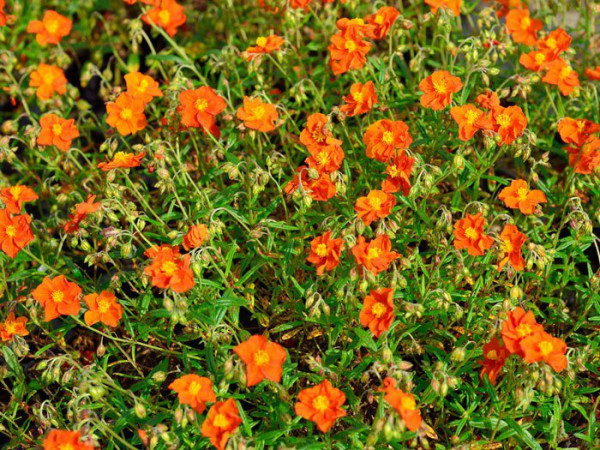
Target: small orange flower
48,80
320,189
14,197
321,404
195,237
15,232
103,308
469,234
511,242
51,29
382,21
556,42
126,114
398,170
375,256
537,60
517,326
348,51
326,159
58,296
169,269
522,27
222,421
507,5
57,131
361,99
317,135
518,195
385,138
593,73
142,87
405,404
494,357
488,100
587,158
469,118
562,75
63,439
258,115
438,88
167,14
264,45
198,108
376,205
576,131
122,160
80,213
12,327
194,390
357,26
541,346
452,5
297,4
3,16
378,311
509,123
263,359
325,252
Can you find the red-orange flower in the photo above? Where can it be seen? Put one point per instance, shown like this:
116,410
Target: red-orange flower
222,421
536,60
541,346
264,44
103,308
58,296
587,158
507,5
194,390
469,118
385,138
405,404
195,237
488,100
347,51
57,131
438,88
452,5
522,27
357,26
320,189
65,440
326,159
263,359
48,80
494,357
593,73
122,160
576,131
469,234
169,269
3,16
81,211
198,108
325,252
14,197
15,232
51,29
142,87
317,135
509,123
398,170
562,75
321,404
556,42
378,311
518,195
258,115
376,205
126,114
297,4
375,256
12,327
511,241
168,14
518,326
382,21
360,100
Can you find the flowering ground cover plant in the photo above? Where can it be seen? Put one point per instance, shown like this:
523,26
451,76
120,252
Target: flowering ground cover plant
299,224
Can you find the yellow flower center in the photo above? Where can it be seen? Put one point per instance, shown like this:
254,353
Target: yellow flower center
373,253
51,26
259,112
120,157
57,129
522,193
551,42
66,447
358,97
58,296
201,104
10,231
581,124
408,403
318,136
320,403
321,250
10,327
523,330
546,347
194,388
323,158
539,57
471,116
565,72
350,46
221,421
378,19
261,358
378,309
503,120
507,246
15,191
48,78
164,16
261,41
393,171
388,137
375,203
169,268
492,355
525,22
103,306
143,85
440,86
471,233
126,114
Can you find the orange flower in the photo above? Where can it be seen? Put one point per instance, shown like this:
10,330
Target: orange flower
398,170
51,29
122,160
494,357
14,197
258,115
347,51
321,404
194,390
593,73
378,311
325,252
469,234
326,159
376,256
536,60
576,131
222,420
15,232
57,131
511,242
198,108
3,16
556,42
488,100
12,327
517,326
403,403
320,189
263,359
168,14
103,308
58,296
142,87
541,346
48,80
169,269
438,88
356,26
63,439
297,4
317,135
126,114
195,237
509,123
452,5
80,213
518,195
562,75
361,99
264,44
385,137
522,27
507,5
469,118
382,21
586,159
376,205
